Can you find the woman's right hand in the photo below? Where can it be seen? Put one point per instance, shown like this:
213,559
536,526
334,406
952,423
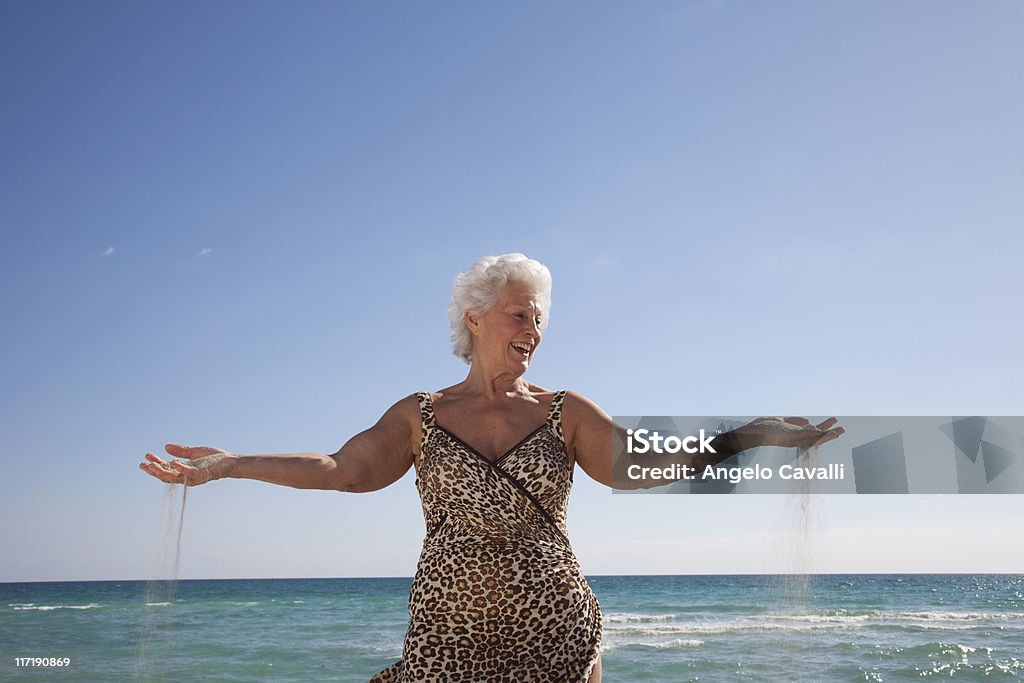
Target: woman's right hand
205,463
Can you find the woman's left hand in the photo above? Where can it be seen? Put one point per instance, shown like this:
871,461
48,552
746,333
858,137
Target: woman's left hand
787,432
199,464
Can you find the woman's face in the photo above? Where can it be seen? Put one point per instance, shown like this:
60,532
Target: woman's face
508,334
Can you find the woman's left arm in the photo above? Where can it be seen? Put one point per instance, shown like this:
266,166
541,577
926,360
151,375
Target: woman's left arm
591,438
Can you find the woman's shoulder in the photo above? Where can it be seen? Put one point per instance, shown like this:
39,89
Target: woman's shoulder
541,393
407,409
575,397
576,406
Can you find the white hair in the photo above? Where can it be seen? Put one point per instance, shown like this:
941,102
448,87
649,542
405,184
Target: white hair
483,285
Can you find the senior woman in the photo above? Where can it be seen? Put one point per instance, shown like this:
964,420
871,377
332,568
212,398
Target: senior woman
498,594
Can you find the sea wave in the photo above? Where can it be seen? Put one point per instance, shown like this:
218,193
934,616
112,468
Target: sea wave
676,643
959,616
624,624
28,606
628,617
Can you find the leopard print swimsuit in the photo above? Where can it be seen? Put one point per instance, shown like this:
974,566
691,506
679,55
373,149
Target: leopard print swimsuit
498,594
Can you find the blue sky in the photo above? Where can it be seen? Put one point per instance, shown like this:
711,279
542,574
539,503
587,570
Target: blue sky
237,223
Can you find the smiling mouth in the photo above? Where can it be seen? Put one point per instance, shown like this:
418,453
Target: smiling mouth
521,348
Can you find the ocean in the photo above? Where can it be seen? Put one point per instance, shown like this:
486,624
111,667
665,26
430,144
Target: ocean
657,628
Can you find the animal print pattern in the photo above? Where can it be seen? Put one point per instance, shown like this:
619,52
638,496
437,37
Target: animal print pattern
498,594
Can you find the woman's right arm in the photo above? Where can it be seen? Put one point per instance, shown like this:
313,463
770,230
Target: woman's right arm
371,460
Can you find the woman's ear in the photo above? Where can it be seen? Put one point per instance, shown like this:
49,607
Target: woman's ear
472,322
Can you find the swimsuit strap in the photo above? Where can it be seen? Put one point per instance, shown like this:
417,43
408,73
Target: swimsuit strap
555,415
427,420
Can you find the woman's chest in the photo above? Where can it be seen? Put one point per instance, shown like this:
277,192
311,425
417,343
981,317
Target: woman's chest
492,434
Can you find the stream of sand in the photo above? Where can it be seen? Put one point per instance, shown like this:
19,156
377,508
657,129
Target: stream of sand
158,608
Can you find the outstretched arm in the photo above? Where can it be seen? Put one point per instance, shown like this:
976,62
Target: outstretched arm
371,460
590,434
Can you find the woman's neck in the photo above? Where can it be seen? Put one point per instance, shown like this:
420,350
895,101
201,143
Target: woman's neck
494,385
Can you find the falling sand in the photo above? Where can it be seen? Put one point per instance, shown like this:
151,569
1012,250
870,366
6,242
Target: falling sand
793,588
155,629
801,519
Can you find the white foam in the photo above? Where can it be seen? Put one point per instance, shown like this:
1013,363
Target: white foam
621,617
824,618
953,616
677,643
47,608
627,625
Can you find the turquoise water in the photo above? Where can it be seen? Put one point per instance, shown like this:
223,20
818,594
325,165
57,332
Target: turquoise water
657,628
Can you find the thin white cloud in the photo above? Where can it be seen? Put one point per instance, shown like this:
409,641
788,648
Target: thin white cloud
603,261
108,251
205,251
